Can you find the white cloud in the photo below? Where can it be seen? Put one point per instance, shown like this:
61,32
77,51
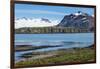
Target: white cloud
34,23
40,12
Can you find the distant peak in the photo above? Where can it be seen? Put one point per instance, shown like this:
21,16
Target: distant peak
24,18
81,13
46,20
78,13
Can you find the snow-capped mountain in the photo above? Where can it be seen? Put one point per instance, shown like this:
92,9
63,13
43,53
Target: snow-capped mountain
34,22
78,20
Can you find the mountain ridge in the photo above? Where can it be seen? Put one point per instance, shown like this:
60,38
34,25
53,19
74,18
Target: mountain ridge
80,20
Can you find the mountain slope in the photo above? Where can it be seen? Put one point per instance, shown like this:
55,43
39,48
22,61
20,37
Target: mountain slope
78,20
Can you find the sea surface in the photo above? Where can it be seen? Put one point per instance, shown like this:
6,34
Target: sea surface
68,40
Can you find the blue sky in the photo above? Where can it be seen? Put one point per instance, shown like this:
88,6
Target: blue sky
45,11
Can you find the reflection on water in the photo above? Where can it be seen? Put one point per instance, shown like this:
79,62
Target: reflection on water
63,40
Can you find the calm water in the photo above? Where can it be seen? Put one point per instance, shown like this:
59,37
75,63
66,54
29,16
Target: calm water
64,40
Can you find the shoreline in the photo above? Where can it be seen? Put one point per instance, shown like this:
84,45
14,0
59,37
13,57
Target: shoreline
57,33
61,55
20,48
